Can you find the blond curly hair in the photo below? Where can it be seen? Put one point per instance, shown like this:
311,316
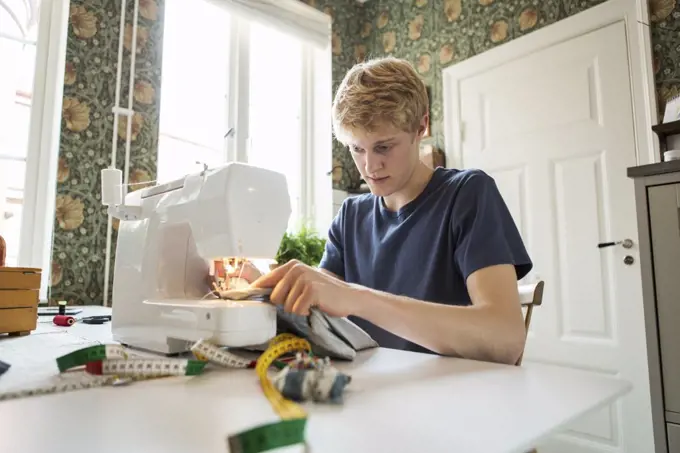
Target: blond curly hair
378,92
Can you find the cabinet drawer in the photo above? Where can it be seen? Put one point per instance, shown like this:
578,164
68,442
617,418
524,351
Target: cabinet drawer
673,434
664,216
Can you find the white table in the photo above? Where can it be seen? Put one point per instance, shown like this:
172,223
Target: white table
396,402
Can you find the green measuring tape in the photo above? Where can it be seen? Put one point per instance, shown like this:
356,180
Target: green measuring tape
269,437
90,354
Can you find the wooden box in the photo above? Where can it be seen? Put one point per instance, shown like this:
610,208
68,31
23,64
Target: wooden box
19,297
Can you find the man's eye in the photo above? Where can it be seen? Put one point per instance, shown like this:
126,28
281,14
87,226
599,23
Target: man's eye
382,149
356,150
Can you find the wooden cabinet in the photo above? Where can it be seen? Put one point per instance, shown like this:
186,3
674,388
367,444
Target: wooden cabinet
657,193
664,226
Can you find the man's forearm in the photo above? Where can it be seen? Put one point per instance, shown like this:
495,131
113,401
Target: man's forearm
477,332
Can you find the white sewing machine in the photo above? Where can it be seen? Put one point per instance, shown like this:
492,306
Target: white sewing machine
167,238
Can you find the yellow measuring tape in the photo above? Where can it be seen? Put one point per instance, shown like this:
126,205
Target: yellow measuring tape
290,430
279,346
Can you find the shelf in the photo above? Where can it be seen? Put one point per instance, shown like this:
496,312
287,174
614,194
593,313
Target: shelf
665,129
658,168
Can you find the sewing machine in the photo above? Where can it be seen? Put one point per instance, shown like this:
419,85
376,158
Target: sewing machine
169,235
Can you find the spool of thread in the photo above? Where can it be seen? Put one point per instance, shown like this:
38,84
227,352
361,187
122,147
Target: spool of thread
63,320
112,187
94,367
62,307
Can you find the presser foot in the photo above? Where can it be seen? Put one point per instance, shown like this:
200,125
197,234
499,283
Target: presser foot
245,294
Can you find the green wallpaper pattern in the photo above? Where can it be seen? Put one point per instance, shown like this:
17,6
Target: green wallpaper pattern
665,26
79,240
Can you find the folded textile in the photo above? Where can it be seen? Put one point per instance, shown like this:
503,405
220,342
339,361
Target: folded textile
337,338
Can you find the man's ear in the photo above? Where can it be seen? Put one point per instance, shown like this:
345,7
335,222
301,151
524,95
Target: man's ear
423,125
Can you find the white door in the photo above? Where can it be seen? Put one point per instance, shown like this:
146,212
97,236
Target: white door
555,130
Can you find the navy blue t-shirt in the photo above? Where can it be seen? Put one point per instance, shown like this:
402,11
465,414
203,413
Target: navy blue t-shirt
426,250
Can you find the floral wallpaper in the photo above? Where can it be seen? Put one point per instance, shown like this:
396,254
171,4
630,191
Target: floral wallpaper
434,34
665,26
80,226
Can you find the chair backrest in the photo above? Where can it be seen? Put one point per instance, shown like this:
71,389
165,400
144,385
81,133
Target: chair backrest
3,251
530,296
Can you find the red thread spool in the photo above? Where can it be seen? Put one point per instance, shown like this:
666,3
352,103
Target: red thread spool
94,367
63,320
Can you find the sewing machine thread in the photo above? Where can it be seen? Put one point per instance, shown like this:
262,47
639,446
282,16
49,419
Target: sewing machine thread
64,320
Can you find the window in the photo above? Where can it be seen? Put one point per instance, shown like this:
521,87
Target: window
236,89
32,38
194,89
18,40
275,127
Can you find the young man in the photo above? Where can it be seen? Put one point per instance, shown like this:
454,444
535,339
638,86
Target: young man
429,260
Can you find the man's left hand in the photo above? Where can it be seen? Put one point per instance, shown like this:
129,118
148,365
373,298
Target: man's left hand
299,287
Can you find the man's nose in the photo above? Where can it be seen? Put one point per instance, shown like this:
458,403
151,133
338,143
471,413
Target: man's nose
374,163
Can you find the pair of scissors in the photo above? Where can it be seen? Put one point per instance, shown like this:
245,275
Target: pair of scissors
96,319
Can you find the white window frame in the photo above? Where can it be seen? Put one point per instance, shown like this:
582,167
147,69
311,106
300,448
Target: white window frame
35,248
316,200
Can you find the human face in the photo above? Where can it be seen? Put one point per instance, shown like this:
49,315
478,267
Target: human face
386,158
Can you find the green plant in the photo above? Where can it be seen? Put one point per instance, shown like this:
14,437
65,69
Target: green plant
305,246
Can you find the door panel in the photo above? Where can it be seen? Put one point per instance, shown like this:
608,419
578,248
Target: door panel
555,129
584,298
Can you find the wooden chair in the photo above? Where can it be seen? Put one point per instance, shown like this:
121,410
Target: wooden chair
3,251
530,296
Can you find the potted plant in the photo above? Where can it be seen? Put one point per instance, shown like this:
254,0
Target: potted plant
305,245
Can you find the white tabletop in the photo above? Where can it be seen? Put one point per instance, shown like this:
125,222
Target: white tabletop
396,402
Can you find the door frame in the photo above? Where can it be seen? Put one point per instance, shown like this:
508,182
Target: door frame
634,13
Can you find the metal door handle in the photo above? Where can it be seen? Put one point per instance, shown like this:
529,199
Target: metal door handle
626,244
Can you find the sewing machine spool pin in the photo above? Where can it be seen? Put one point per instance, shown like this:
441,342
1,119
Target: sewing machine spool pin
205,167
